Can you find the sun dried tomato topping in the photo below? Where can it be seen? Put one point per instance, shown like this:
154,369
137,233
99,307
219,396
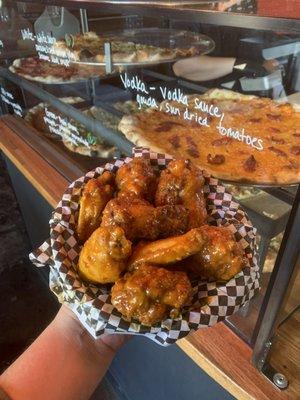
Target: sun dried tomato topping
250,164
217,159
192,148
277,140
275,117
254,120
221,142
190,141
166,126
193,152
175,141
277,151
296,134
295,150
274,130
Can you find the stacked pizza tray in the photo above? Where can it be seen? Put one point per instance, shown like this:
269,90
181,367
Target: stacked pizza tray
246,139
86,55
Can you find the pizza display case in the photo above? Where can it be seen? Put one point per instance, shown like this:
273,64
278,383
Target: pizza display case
218,82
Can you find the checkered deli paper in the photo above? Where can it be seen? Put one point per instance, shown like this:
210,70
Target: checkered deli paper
92,304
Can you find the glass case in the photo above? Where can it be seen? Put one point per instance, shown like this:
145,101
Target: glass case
217,82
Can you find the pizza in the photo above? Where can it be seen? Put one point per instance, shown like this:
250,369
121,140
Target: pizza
36,116
234,137
83,142
35,69
90,47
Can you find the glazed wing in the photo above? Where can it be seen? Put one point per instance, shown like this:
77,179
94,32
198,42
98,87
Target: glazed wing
140,220
151,294
137,178
104,255
182,183
96,193
221,256
167,251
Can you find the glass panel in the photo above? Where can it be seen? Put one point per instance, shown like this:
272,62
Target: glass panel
94,82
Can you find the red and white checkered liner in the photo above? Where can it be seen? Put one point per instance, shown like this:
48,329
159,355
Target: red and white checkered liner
92,304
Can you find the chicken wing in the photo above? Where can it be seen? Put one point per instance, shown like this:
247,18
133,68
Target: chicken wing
182,183
221,256
167,251
137,178
104,255
140,220
96,193
151,294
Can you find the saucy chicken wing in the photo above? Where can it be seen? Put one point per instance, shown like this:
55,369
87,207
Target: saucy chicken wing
140,220
167,251
137,178
95,195
221,256
104,255
151,294
182,183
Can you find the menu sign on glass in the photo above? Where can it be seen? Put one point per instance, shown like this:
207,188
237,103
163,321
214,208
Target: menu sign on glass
44,45
189,108
9,99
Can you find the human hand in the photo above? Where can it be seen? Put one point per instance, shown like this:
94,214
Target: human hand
64,363
71,328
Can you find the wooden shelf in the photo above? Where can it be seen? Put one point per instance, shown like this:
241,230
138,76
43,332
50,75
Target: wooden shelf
48,182
218,351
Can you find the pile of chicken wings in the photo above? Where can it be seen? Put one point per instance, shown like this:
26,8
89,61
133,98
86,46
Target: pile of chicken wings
145,231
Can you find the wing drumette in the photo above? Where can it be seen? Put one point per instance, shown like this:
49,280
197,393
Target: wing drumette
96,193
182,183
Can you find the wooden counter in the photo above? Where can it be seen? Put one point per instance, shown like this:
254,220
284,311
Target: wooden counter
218,351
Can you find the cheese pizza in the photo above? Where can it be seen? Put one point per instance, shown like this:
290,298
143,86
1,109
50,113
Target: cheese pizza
232,136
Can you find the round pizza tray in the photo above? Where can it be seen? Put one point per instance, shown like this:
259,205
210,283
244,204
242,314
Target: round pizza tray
163,38
53,80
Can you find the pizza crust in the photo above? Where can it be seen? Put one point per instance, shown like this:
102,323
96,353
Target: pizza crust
130,127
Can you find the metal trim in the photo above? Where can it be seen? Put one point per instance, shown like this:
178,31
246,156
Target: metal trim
277,287
190,14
